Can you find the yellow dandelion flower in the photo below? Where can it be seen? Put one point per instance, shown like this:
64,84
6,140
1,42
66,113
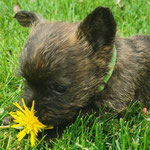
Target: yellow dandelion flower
28,121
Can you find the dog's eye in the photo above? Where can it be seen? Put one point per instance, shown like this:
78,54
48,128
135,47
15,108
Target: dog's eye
59,89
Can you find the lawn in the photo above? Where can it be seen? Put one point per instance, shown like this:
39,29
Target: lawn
87,133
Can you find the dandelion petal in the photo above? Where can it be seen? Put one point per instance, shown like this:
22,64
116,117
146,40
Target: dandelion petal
32,108
33,139
18,106
21,135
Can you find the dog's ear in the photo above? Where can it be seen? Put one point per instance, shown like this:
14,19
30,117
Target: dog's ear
99,28
27,19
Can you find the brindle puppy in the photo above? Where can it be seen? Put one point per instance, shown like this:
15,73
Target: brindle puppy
65,63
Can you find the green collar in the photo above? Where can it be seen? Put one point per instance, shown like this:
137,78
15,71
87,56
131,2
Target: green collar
111,67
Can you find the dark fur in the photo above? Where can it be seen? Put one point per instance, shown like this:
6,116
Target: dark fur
64,64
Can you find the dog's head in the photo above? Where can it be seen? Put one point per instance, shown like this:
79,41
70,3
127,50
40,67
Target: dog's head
63,63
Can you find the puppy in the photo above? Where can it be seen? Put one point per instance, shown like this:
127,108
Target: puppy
72,67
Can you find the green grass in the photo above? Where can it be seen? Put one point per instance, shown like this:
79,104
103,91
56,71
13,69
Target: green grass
131,132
